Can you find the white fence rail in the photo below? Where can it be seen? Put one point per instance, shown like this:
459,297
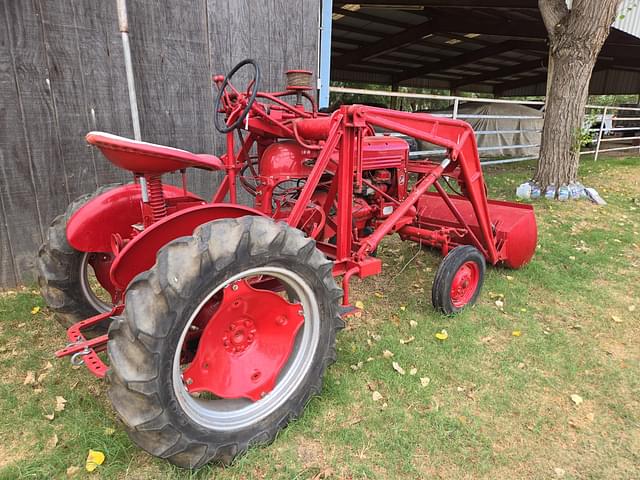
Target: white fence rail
607,124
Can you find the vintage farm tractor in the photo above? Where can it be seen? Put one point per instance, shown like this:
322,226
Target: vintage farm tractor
222,317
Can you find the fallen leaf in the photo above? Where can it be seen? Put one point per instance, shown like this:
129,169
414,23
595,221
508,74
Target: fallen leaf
500,305
48,366
442,335
52,442
413,323
50,416
387,354
413,371
577,399
71,471
424,381
42,376
30,379
496,296
521,365
378,294
616,319
408,340
396,366
35,310
358,366
94,458
631,308
60,403
516,333
376,396
360,305
559,472
403,308
509,277
109,431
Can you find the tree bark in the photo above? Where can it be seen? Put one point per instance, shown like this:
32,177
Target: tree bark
575,39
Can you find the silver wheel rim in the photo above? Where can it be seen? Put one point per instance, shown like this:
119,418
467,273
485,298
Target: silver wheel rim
236,414
99,305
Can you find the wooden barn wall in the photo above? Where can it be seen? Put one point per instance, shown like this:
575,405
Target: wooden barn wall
62,75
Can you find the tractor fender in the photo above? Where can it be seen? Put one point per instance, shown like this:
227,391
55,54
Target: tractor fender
140,253
90,228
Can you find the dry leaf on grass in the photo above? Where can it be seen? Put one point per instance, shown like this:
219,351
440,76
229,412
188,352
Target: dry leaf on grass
403,308
378,294
413,371
30,379
94,458
35,310
357,366
360,305
516,333
407,340
109,431
52,442
73,470
500,305
442,335
577,399
396,366
616,319
377,396
413,323
425,381
631,308
387,354
60,403
50,416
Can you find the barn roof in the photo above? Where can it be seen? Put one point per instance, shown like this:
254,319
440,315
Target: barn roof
488,46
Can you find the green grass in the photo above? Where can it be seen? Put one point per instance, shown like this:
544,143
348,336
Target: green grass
497,405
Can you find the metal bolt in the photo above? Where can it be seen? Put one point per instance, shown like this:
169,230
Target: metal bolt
301,313
234,287
189,381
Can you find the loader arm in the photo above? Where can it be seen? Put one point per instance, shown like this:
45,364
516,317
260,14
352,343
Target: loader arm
454,135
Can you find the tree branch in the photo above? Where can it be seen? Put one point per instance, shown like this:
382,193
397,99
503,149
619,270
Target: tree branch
553,13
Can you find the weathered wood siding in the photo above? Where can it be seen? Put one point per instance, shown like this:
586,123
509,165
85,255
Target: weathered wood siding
62,74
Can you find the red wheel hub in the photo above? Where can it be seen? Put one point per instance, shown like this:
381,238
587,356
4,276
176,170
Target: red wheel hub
245,343
464,284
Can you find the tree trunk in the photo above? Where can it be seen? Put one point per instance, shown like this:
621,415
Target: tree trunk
575,39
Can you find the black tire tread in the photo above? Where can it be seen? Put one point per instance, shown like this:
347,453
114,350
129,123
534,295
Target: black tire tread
446,270
135,383
59,264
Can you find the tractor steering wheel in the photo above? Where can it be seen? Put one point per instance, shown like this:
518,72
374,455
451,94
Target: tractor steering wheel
232,102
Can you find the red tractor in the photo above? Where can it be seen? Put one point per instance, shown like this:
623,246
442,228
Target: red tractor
221,317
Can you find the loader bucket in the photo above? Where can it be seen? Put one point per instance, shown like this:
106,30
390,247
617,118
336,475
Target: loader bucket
514,224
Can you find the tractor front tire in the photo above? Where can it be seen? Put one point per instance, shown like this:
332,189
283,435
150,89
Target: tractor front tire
147,383
458,280
60,269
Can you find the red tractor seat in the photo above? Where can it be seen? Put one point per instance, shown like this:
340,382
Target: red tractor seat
144,157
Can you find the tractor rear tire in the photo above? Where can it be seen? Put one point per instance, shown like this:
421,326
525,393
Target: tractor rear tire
146,382
459,280
59,268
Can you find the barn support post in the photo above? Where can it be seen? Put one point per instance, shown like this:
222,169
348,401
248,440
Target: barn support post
325,52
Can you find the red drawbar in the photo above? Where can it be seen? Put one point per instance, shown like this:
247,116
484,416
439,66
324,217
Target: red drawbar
245,343
464,285
147,157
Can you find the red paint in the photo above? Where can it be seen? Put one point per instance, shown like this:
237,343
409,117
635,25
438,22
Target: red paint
143,157
245,343
328,175
464,284
140,253
114,212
